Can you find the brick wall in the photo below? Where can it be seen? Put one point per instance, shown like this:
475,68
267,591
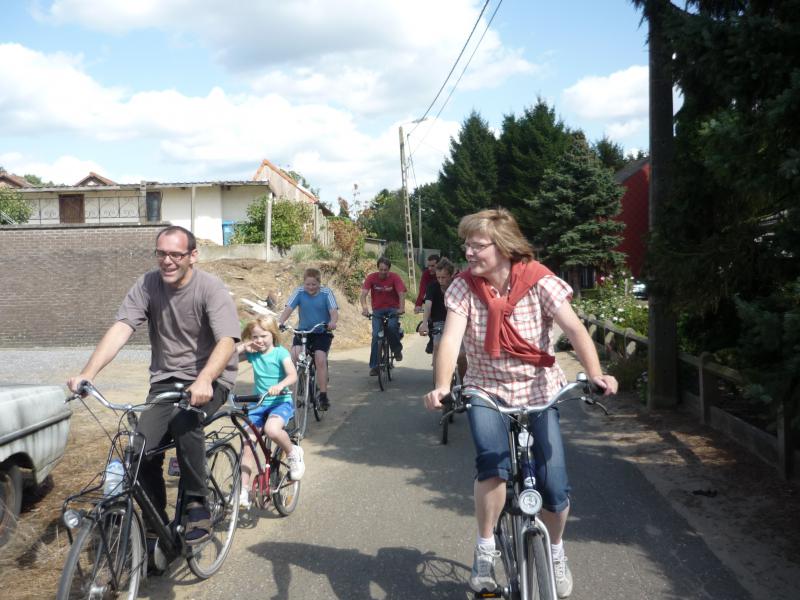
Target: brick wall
62,285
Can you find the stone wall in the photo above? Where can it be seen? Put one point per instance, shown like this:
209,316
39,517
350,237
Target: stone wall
61,285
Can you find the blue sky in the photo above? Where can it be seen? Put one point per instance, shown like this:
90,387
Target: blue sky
197,90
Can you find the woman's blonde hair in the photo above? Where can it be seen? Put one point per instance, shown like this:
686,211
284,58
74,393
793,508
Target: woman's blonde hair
266,323
501,227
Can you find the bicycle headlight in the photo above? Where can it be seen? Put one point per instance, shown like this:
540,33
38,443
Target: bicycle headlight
530,502
72,518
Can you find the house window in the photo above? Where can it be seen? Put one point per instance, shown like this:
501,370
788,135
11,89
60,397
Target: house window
154,206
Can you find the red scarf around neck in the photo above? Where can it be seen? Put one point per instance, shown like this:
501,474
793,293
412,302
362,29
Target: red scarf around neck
500,332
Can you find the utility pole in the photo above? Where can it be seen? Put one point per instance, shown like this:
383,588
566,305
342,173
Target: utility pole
662,356
412,276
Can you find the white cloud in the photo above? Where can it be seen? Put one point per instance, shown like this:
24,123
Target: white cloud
365,56
619,101
620,96
65,170
214,136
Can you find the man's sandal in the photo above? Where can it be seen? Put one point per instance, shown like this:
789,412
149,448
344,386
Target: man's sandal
198,523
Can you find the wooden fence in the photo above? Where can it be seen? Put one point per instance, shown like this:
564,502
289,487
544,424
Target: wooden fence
703,384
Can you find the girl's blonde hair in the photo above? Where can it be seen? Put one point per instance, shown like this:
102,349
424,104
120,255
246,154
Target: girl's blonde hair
266,323
501,227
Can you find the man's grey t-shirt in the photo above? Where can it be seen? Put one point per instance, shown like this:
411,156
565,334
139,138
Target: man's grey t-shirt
184,324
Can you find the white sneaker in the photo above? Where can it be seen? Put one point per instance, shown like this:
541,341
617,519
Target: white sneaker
296,465
482,575
244,499
563,577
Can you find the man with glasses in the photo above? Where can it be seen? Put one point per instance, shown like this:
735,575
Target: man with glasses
193,329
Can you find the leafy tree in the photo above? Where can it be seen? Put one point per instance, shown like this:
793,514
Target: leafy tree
528,146
289,223
344,208
385,216
13,206
575,212
467,181
37,181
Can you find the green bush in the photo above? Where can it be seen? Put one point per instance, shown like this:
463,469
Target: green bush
394,251
14,206
288,223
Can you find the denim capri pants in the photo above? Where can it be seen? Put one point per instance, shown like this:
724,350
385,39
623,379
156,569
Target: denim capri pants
493,457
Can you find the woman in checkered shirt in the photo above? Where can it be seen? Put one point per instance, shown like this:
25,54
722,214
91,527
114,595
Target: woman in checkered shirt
504,308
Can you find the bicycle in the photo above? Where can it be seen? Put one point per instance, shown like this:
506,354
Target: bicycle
521,535
385,356
306,389
271,481
109,553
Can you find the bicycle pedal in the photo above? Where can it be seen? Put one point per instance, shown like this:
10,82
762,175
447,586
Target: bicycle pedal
174,469
487,594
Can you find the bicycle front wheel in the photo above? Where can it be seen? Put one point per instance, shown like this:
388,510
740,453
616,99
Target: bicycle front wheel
285,491
301,397
103,562
387,355
318,412
507,575
382,365
223,479
538,575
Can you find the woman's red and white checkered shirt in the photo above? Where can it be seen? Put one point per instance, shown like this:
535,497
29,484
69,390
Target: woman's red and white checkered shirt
518,383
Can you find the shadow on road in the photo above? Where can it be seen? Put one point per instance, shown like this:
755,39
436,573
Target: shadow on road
391,573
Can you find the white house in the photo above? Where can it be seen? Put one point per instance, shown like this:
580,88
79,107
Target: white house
202,207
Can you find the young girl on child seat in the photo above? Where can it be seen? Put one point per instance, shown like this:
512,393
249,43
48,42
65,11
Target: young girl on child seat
273,372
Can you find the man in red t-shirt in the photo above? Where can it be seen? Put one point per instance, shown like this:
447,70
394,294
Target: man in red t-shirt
427,278
386,291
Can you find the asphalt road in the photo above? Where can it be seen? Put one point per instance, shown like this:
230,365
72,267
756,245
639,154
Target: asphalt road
386,511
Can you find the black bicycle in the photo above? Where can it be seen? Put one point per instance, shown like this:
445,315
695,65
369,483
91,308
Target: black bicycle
385,356
521,536
109,555
306,392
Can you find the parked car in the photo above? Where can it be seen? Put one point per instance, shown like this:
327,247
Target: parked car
34,425
639,290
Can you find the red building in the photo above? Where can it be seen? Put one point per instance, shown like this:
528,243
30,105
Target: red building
635,205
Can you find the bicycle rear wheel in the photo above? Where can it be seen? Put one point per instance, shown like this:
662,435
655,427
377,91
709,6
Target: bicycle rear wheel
538,575
101,553
224,481
301,402
285,491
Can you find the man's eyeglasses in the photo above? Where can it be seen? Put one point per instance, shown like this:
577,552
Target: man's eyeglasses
175,256
476,248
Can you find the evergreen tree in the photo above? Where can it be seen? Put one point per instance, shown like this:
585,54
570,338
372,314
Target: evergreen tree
610,154
528,145
385,216
468,179
575,212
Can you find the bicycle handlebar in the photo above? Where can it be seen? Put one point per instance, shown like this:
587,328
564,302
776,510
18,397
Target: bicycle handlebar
285,327
458,399
87,389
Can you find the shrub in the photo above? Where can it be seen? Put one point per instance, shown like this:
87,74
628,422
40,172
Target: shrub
394,251
289,220
14,206
628,371
610,302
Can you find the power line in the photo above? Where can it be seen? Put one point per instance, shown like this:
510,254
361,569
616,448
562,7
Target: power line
453,68
455,85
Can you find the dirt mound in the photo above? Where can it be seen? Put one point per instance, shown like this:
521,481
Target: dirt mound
254,280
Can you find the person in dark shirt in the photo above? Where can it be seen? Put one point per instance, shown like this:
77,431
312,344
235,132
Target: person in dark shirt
428,277
434,310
